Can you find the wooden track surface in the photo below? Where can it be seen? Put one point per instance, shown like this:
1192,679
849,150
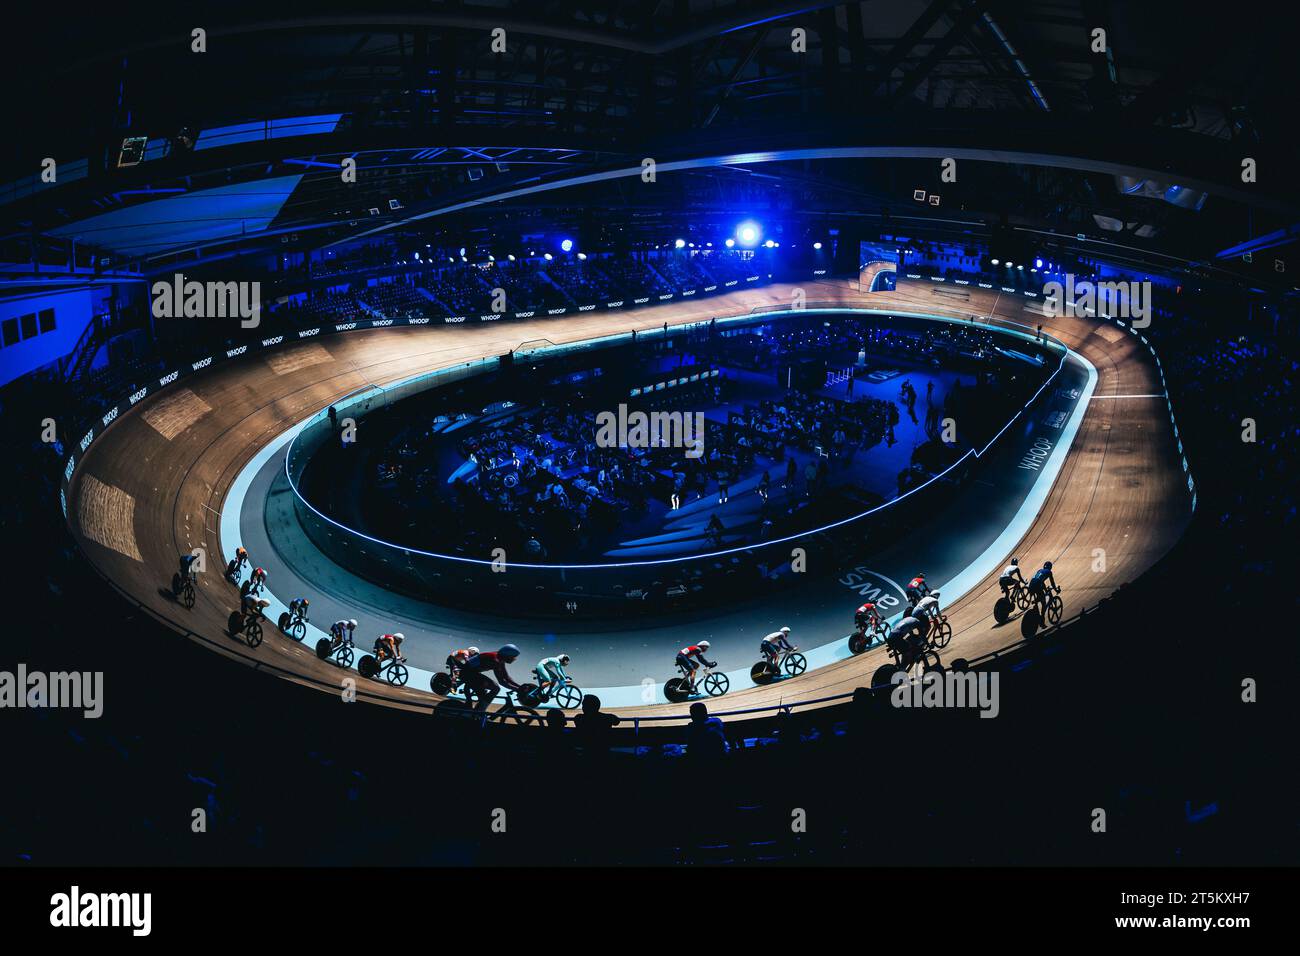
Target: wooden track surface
162,470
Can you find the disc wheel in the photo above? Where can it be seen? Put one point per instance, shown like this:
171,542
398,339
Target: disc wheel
857,643
884,675
440,684
795,664
1002,610
528,695
675,690
1029,623
759,673
323,648
367,666
715,685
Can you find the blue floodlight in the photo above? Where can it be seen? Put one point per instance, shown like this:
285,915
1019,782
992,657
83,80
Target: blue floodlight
566,245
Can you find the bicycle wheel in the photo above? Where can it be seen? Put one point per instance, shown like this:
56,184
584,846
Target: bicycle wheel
675,690
795,664
528,695
942,634
187,595
884,675
440,684
298,630
568,697
857,643
283,622
323,648
1054,609
253,634
344,657
1029,623
1023,600
1002,610
367,666
715,685
398,674
759,673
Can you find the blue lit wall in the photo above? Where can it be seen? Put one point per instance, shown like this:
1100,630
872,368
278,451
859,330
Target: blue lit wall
69,312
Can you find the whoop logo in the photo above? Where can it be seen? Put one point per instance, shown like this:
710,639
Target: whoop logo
874,587
1037,454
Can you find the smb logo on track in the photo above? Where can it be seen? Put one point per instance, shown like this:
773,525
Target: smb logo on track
873,587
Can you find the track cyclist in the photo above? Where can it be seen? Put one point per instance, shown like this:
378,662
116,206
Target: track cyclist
551,675
475,674
772,646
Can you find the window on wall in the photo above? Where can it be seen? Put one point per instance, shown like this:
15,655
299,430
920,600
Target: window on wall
47,320
29,325
11,331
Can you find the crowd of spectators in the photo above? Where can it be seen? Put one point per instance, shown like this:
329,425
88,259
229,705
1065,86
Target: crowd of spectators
533,284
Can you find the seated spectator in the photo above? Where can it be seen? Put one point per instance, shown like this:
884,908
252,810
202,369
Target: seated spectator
704,737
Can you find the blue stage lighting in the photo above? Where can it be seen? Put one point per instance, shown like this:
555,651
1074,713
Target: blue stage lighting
679,243
748,233
1038,263
566,245
817,245
731,243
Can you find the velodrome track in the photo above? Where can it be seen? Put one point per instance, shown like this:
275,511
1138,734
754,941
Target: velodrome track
152,486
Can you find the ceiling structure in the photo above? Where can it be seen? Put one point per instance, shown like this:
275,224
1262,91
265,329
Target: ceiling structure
484,115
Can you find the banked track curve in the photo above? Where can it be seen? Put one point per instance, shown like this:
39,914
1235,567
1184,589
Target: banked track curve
151,486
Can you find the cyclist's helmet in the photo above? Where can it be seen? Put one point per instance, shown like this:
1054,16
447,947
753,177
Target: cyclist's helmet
704,645
785,630
241,553
1015,562
304,602
935,595
260,572
353,623
1047,565
399,637
471,651
564,658
509,652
